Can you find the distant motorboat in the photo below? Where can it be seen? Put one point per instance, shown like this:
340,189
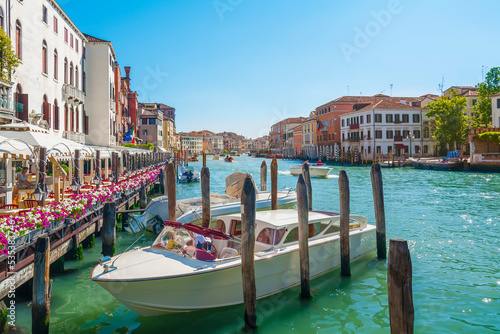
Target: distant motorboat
314,170
229,159
215,157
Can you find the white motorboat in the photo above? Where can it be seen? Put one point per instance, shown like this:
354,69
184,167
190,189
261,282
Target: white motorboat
188,174
215,157
189,210
191,268
314,170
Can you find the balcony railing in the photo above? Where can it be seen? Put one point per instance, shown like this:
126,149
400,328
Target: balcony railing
74,136
353,140
71,93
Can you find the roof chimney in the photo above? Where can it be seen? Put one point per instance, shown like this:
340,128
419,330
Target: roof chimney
127,72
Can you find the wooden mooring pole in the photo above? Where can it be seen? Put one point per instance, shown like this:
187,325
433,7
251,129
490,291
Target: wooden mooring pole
263,176
399,287
303,213
172,216
204,159
274,185
108,231
205,196
307,179
143,196
378,200
345,257
247,253
40,312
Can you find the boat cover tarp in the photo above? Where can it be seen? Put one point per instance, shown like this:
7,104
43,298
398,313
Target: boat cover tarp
235,182
453,154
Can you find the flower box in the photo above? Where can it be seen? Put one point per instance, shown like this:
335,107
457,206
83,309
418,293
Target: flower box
34,234
21,241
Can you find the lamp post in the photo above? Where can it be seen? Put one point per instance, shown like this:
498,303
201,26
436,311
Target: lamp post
410,137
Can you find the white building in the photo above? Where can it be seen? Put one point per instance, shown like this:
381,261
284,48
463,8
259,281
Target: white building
495,110
386,127
100,102
48,86
217,143
192,144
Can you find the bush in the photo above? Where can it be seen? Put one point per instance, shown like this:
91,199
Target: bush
489,136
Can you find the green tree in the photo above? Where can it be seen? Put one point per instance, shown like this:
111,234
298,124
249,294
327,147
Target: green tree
485,89
8,59
451,123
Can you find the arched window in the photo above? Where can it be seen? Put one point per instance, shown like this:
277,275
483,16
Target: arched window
66,117
46,109
65,70
72,119
84,82
1,17
77,119
71,81
76,77
55,64
56,115
44,58
19,36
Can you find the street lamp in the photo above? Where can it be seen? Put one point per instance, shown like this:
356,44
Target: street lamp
410,137
75,185
38,194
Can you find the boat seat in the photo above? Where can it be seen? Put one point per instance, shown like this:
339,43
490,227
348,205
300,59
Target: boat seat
228,252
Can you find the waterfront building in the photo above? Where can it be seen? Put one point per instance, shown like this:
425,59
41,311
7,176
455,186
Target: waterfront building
495,110
100,103
388,127
309,127
191,144
128,105
151,127
469,92
168,134
48,86
297,141
277,135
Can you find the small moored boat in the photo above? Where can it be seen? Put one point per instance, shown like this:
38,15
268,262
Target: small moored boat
188,174
317,170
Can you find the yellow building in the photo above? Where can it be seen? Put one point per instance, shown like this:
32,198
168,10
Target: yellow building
169,134
309,142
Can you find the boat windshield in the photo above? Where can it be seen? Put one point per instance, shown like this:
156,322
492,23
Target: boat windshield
197,242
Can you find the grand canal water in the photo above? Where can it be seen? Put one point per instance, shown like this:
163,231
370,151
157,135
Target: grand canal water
450,219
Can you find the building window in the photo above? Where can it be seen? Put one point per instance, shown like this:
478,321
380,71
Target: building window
379,150
84,82
151,121
1,17
388,118
426,149
144,132
144,121
55,64
369,135
65,70
342,123
76,45
361,119
417,134
71,78
56,28
369,149
45,15
76,77
83,53
368,119
405,133
389,134
378,134
378,118
71,40
416,118
66,35
406,118
417,149
498,103
19,43
474,101
56,115
44,57
396,118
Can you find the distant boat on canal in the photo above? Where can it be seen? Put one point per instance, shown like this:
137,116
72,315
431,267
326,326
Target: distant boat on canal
451,162
315,170
190,268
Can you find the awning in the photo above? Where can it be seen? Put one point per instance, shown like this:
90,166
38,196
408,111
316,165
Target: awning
401,146
13,148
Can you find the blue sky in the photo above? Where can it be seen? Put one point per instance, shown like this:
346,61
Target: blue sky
242,65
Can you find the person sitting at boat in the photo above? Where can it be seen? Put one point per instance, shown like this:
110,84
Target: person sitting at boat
319,163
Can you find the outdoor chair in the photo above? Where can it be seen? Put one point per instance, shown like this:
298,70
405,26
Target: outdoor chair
30,203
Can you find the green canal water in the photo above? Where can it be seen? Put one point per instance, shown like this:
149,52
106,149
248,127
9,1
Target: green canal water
450,219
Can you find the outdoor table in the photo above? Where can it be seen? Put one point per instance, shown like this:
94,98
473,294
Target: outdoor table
9,212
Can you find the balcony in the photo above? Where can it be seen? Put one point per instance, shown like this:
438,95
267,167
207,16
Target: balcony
74,136
353,140
354,126
73,94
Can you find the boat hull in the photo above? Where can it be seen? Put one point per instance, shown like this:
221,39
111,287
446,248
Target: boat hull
313,171
449,166
220,285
